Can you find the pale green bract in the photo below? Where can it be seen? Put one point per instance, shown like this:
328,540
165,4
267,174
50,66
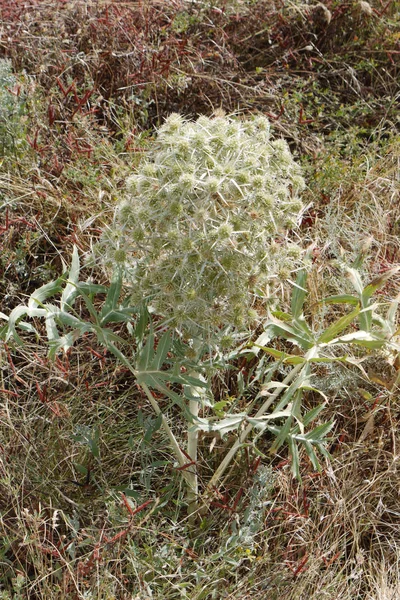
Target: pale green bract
202,229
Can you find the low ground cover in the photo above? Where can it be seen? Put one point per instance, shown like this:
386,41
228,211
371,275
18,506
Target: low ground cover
91,502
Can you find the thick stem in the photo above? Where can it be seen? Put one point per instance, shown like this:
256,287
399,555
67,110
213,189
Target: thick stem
192,452
193,437
215,479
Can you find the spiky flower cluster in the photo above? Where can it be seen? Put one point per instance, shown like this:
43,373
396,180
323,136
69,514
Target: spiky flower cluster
202,230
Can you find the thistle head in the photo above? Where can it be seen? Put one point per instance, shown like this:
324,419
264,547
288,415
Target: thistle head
206,209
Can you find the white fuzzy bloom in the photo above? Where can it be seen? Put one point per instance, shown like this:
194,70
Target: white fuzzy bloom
205,212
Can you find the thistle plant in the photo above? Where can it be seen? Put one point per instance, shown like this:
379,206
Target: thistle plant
202,230
202,238
156,360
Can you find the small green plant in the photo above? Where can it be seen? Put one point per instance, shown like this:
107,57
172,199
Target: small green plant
12,108
156,361
64,327
287,420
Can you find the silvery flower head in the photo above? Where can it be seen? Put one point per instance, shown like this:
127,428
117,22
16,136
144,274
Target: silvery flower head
203,223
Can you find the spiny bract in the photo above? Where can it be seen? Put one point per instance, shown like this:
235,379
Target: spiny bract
201,232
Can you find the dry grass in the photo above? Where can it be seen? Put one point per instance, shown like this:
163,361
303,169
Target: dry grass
72,431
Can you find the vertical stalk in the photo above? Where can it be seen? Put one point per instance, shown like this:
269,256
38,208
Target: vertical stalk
192,444
181,458
193,491
242,438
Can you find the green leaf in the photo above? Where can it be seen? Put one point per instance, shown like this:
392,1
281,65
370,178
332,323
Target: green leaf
319,433
145,356
356,280
312,456
366,318
361,338
141,326
337,327
70,290
303,329
38,297
312,414
294,360
294,453
16,314
289,333
324,452
392,313
341,299
282,316
88,288
113,295
285,358
105,336
74,322
299,294
330,359
301,380
223,426
163,347
156,383
117,316
310,388
51,327
219,407
262,422
282,435
271,385
90,306
64,342
296,409
377,283
21,324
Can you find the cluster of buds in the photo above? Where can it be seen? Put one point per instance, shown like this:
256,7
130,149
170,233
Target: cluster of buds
202,230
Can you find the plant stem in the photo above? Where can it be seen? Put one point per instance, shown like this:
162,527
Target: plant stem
193,490
196,397
182,459
193,437
242,438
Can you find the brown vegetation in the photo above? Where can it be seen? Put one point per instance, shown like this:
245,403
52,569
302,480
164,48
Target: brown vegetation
90,501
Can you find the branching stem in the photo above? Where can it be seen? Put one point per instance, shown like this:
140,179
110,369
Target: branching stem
215,479
180,456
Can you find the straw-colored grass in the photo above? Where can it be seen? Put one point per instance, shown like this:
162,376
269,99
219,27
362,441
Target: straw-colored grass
78,454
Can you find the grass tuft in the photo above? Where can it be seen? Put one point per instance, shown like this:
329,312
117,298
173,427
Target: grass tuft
91,503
